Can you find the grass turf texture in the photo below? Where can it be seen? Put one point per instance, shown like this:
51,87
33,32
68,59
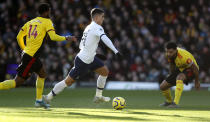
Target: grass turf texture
76,105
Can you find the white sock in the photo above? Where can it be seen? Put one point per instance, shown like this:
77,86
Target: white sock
100,85
57,89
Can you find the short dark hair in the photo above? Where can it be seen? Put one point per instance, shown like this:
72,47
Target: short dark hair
95,11
43,7
171,45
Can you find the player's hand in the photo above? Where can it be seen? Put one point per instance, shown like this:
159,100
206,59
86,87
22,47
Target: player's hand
119,55
197,85
100,56
71,38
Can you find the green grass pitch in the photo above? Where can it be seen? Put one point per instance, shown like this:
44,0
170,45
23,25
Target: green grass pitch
17,105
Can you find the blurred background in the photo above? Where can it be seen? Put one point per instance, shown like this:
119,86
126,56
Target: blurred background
138,28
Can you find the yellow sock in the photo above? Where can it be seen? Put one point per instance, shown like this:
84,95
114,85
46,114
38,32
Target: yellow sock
7,84
178,91
39,88
167,94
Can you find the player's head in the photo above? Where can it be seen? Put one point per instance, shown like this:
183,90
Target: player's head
44,10
97,15
171,50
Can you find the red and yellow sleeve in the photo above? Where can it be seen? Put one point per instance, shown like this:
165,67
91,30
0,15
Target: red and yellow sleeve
20,36
51,32
188,61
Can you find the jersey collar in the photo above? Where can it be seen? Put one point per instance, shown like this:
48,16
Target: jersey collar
95,23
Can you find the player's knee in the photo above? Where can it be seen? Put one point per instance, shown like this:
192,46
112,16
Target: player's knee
69,81
43,75
19,81
180,76
105,72
162,88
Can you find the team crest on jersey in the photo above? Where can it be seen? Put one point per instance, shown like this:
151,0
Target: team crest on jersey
189,61
101,29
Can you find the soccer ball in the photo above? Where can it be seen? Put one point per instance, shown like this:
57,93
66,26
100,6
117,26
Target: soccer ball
118,103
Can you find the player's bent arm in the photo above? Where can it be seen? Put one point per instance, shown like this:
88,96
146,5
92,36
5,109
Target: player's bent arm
195,72
109,43
20,40
55,37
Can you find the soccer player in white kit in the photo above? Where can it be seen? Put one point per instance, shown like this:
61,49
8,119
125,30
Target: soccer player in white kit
86,59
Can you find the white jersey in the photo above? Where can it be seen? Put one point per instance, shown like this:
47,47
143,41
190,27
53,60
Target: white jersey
89,42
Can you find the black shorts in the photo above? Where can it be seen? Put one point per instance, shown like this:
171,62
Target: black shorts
171,78
80,68
28,65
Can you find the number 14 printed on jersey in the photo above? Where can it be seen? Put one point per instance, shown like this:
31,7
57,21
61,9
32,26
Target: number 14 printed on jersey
33,33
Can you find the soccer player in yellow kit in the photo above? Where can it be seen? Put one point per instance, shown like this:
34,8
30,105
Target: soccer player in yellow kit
183,69
35,31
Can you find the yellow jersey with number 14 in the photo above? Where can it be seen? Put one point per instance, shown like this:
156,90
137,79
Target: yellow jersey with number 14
184,59
35,31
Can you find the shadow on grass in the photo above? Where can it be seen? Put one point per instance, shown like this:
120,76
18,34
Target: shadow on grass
167,115
84,115
191,108
152,107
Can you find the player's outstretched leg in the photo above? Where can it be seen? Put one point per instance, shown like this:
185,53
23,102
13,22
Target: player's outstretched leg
103,71
59,87
7,84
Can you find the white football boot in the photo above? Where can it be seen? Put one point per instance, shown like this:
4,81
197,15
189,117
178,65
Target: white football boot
101,99
45,99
